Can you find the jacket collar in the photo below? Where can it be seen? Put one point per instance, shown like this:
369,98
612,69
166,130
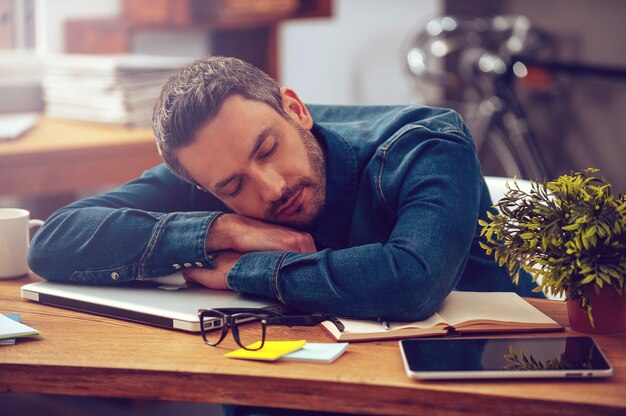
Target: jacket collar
333,225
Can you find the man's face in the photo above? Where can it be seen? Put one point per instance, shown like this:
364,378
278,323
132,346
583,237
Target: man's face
260,164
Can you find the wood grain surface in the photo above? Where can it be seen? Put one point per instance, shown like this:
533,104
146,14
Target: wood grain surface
87,355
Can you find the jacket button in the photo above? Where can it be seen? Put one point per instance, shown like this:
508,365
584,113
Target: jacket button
187,264
115,276
199,264
176,266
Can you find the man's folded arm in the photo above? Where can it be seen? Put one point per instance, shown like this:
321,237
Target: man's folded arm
408,276
137,231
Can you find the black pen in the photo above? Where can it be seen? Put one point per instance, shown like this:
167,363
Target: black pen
384,323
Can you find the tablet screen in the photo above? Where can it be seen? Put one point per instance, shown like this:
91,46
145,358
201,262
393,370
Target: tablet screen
503,357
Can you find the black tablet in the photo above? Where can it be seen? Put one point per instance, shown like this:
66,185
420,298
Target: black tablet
490,357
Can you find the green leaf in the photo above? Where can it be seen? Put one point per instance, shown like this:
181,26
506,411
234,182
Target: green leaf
590,278
585,242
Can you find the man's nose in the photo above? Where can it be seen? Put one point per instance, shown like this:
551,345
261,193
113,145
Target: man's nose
271,185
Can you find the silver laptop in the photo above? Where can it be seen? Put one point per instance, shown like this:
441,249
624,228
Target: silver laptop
167,302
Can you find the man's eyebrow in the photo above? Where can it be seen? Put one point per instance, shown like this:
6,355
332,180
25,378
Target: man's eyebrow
260,138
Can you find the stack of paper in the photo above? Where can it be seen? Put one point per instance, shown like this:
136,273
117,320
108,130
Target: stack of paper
119,89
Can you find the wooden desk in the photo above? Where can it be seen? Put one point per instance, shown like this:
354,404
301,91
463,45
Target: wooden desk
61,157
86,355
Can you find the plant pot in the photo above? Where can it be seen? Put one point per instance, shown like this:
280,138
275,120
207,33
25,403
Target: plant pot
608,310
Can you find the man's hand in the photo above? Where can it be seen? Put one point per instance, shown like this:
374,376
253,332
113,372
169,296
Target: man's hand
243,234
214,278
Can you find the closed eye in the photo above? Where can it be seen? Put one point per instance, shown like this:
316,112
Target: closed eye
237,190
263,156
271,151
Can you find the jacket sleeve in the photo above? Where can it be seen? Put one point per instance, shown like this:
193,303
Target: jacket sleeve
432,187
143,229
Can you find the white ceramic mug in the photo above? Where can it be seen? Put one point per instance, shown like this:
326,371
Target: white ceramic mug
15,225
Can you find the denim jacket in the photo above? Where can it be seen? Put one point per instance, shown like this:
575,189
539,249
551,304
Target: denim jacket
398,231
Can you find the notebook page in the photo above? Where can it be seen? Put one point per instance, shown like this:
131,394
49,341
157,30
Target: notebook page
460,307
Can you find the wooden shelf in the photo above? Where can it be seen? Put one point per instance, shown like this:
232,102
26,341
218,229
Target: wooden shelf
248,36
205,13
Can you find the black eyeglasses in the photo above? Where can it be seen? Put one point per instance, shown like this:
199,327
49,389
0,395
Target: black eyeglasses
214,324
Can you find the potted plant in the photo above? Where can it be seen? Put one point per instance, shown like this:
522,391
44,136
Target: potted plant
570,235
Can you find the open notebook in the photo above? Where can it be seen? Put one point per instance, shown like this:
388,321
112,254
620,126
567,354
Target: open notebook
461,312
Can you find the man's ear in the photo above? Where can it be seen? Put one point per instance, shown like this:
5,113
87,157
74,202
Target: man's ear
295,108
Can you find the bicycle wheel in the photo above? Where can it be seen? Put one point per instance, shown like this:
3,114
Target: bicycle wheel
496,155
510,142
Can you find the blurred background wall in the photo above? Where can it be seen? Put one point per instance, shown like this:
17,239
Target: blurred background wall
355,57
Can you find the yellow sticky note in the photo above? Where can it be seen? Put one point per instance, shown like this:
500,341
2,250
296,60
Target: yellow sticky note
271,351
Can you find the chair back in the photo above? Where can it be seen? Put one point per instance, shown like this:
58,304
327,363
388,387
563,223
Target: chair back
497,186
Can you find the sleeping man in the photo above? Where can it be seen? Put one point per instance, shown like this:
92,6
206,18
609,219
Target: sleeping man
362,212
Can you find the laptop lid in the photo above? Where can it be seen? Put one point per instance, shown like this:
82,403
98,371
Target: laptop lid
159,303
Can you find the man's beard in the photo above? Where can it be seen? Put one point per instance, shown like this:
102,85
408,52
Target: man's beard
316,183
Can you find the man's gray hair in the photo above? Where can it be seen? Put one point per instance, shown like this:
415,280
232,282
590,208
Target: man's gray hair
194,95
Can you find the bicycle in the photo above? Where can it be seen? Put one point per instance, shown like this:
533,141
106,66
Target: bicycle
477,63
